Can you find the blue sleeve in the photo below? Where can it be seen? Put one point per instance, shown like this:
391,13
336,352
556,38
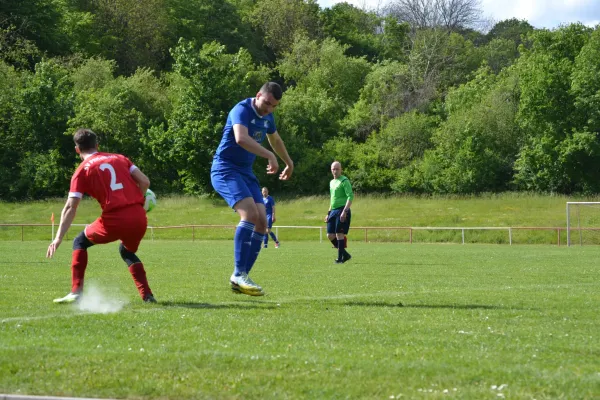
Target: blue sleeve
272,202
239,115
271,128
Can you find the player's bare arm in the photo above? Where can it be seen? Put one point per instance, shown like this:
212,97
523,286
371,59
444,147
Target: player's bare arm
141,179
66,219
247,143
345,210
277,144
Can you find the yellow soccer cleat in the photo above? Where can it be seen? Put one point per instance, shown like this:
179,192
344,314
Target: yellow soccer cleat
70,298
243,284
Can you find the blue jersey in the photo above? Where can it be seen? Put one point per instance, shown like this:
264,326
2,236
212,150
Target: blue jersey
231,155
269,204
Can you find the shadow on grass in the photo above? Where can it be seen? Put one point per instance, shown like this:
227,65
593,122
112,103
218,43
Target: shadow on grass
432,306
416,264
239,306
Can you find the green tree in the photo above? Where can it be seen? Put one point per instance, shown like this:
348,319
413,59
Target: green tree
439,60
16,50
121,112
281,21
374,165
405,139
326,85
475,148
325,66
11,83
499,54
37,21
365,32
205,21
394,39
585,84
93,73
33,126
206,84
457,61
387,93
310,115
513,29
135,34
547,112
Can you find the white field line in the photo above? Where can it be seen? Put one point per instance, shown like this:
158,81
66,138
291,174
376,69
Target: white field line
76,313
23,397
284,300
417,292
233,353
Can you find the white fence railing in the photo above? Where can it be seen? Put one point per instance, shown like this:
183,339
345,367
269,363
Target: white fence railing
322,234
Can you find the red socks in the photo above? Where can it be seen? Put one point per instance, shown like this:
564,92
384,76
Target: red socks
79,261
139,277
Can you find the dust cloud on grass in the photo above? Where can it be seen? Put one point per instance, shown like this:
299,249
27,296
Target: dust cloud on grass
101,301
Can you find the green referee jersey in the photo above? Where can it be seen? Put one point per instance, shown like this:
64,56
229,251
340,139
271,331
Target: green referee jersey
341,191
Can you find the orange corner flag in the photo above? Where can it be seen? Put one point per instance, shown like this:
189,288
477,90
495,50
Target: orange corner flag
52,218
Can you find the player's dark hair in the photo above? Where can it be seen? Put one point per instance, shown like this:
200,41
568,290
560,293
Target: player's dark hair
273,88
85,139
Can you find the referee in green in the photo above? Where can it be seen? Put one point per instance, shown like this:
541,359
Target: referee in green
338,216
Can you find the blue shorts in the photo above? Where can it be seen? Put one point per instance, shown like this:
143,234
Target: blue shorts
234,186
334,225
269,221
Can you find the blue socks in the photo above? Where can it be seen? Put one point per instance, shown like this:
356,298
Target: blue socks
242,246
273,236
255,246
246,246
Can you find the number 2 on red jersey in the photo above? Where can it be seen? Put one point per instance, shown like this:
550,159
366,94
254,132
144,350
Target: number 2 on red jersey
114,185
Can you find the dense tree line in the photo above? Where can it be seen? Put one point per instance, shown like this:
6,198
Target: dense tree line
408,99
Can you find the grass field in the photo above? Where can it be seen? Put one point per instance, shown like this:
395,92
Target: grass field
397,321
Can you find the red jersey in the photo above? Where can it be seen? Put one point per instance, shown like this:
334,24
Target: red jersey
107,178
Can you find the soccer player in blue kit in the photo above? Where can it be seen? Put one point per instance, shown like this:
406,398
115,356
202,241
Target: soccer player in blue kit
248,123
269,203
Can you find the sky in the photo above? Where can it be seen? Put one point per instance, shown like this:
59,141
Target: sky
539,13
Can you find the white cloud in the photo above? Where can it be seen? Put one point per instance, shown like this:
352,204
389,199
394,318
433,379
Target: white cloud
544,13
539,13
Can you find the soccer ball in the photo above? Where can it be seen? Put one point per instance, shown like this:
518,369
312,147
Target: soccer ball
149,200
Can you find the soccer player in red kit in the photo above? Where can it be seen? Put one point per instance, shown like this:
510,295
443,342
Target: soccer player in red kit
119,186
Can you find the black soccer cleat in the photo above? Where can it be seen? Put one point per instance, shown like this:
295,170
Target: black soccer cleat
149,299
345,257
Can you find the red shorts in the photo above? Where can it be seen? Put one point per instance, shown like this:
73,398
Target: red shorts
126,224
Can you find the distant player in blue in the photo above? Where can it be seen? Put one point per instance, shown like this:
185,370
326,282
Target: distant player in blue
270,209
248,124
